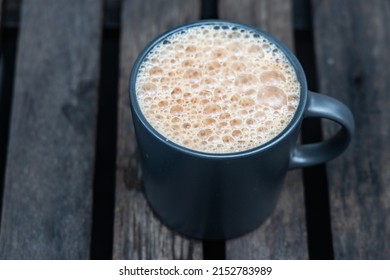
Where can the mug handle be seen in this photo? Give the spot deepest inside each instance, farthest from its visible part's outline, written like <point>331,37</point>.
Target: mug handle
<point>322,106</point>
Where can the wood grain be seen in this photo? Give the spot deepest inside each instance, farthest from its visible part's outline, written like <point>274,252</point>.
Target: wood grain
<point>283,235</point>
<point>48,185</point>
<point>138,234</point>
<point>352,39</point>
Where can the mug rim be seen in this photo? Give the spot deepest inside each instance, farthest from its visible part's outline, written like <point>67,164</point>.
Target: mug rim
<point>294,122</point>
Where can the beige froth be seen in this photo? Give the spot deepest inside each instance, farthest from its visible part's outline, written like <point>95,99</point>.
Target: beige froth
<point>217,90</point>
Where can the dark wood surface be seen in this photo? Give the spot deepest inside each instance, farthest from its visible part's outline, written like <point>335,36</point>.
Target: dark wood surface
<point>48,184</point>
<point>48,196</point>
<point>353,58</point>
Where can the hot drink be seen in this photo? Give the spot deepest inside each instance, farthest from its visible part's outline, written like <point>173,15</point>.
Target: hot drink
<point>217,89</point>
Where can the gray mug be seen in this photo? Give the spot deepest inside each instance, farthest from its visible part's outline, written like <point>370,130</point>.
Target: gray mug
<point>221,196</point>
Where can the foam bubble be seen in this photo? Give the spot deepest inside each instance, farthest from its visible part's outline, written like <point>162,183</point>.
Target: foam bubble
<point>272,77</point>
<point>272,96</point>
<point>217,90</point>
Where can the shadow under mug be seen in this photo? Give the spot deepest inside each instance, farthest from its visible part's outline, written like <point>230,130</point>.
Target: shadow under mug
<point>221,196</point>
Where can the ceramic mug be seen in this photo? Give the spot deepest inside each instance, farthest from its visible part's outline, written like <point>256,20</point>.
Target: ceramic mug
<point>221,196</point>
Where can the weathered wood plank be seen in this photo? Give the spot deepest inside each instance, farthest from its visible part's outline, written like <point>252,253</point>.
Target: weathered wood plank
<point>11,18</point>
<point>138,234</point>
<point>48,186</point>
<point>352,39</point>
<point>283,235</point>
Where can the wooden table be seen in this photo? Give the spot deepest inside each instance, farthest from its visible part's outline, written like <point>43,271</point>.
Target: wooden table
<point>69,174</point>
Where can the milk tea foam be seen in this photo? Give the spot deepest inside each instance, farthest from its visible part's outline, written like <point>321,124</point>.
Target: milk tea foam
<point>217,89</point>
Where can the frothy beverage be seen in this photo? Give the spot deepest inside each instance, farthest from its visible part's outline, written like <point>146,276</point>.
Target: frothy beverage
<point>217,89</point>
